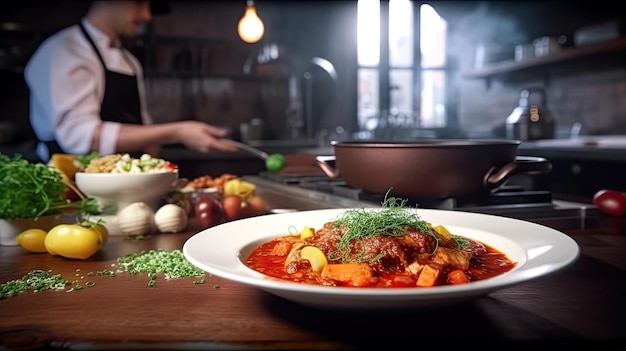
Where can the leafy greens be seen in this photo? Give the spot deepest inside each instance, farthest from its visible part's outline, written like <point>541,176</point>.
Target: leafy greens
<point>32,190</point>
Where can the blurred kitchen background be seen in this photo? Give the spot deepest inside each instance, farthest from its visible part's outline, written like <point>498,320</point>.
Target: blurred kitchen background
<point>547,72</point>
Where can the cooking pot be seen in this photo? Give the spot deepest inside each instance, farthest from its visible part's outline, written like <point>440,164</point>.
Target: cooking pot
<point>429,169</point>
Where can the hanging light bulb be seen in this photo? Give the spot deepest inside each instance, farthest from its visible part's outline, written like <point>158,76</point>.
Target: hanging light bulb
<point>250,26</point>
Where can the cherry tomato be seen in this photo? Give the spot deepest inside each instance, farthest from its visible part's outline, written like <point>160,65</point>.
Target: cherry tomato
<point>208,211</point>
<point>610,202</point>
<point>235,207</point>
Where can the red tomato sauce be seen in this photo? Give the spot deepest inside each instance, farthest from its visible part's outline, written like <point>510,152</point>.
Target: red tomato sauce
<point>484,265</point>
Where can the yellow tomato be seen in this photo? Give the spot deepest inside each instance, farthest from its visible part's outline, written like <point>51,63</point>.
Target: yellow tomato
<point>239,187</point>
<point>32,240</point>
<point>104,232</point>
<point>73,241</point>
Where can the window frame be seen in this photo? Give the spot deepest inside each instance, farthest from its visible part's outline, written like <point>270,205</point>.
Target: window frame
<point>384,68</point>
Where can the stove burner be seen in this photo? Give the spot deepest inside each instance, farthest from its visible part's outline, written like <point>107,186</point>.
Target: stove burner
<point>513,201</point>
<point>506,195</point>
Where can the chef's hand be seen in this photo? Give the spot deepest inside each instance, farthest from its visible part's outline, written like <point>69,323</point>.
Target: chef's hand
<point>203,137</point>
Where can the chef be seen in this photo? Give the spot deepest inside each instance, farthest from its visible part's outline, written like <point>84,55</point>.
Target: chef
<point>87,92</point>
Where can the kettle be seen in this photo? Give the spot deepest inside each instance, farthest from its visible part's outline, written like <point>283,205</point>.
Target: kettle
<point>530,121</point>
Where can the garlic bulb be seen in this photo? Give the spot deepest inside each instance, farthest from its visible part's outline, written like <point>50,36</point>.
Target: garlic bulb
<point>170,218</point>
<point>136,219</point>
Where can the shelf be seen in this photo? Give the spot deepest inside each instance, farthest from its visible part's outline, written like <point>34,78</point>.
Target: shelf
<point>203,75</point>
<point>564,55</point>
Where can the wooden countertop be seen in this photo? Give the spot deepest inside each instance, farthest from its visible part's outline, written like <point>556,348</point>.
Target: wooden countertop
<point>585,302</point>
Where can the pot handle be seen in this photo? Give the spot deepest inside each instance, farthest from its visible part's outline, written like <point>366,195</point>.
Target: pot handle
<point>522,165</point>
<point>323,162</point>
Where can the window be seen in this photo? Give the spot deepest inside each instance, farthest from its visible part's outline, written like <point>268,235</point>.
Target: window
<point>399,86</point>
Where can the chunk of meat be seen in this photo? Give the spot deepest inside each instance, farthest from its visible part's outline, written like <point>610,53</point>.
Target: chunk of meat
<point>397,252</point>
<point>450,257</point>
<point>326,238</point>
<point>293,258</point>
<point>386,254</point>
<point>478,248</point>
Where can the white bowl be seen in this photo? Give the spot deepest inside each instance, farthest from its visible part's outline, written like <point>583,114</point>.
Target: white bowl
<point>115,191</point>
<point>11,228</point>
<point>538,251</point>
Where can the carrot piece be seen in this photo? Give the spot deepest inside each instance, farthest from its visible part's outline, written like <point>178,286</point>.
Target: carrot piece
<point>357,274</point>
<point>281,249</point>
<point>457,276</point>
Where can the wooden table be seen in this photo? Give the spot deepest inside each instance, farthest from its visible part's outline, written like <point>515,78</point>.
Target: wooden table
<point>583,303</point>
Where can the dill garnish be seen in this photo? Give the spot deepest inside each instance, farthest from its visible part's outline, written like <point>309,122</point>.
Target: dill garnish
<point>393,219</point>
<point>461,243</point>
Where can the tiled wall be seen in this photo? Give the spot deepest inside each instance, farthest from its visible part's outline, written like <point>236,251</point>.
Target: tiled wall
<point>213,88</point>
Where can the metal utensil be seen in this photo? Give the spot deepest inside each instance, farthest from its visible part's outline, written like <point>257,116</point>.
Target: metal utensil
<point>259,153</point>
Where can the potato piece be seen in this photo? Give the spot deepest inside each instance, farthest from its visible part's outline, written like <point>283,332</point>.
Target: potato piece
<point>428,276</point>
<point>315,256</point>
<point>357,274</point>
<point>443,231</point>
<point>452,257</point>
<point>306,232</point>
<point>415,268</point>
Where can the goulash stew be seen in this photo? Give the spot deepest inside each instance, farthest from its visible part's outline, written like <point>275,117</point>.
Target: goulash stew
<point>390,247</point>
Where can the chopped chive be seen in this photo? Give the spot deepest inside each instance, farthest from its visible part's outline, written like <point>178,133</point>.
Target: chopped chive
<point>172,264</point>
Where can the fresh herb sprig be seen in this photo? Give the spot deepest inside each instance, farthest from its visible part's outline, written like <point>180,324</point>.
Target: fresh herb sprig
<point>32,190</point>
<point>82,161</point>
<point>393,219</point>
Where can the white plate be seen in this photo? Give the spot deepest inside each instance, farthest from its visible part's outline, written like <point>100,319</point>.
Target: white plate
<point>538,250</point>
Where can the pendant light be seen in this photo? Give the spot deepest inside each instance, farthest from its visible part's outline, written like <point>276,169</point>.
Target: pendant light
<point>250,26</point>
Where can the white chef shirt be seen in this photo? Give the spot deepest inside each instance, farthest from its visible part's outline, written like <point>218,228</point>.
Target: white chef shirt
<point>66,83</point>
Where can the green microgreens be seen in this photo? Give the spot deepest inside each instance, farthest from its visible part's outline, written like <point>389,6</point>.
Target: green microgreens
<point>393,219</point>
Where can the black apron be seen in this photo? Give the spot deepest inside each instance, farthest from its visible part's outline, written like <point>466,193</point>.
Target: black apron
<point>121,101</point>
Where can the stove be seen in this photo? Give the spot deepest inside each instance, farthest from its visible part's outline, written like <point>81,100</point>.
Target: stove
<point>286,192</point>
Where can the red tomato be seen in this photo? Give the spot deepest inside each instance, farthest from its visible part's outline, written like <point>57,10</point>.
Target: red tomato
<point>208,211</point>
<point>257,205</point>
<point>610,202</point>
<point>235,207</point>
